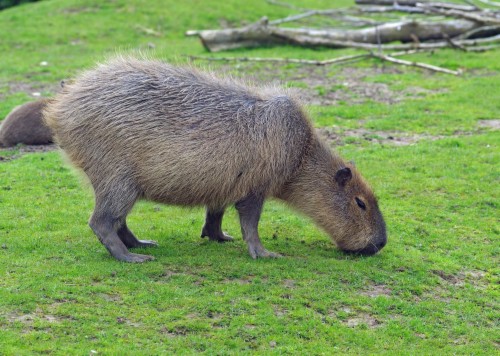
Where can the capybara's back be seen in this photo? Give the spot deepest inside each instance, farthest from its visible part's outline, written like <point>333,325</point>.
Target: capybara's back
<point>144,129</point>
<point>177,135</point>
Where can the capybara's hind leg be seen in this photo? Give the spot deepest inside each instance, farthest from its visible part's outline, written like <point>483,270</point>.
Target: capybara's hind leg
<point>249,210</point>
<point>213,226</point>
<point>113,202</point>
<point>129,239</point>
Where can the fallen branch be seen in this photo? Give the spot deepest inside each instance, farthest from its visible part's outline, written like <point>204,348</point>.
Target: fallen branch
<point>415,3</point>
<point>415,64</point>
<point>393,8</point>
<point>331,13</point>
<point>285,4</point>
<point>304,41</point>
<point>285,60</point>
<point>261,33</point>
<point>484,31</point>
<point>388,2</point>
<point>388,58</point>
<point>491,3</point>
<point>482,48</point>
<point>455,45</point>
<point>480,17</point>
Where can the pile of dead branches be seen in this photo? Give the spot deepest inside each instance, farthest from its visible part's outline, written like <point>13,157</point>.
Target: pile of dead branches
<point>462,27</point>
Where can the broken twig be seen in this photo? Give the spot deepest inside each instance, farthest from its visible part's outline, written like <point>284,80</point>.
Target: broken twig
<point>415,64</point>
<point>285,60</point>
<point>388,58</point>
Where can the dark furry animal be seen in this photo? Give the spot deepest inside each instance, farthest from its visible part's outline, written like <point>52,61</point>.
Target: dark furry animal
<point>144,129</point>
<point>25,125</point>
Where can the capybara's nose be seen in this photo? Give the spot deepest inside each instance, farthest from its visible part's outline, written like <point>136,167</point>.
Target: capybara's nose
<point>373,247</point>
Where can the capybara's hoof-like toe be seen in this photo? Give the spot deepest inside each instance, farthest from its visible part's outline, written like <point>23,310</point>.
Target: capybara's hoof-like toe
<point>136,258</point>
<point>269,254</point>
<point>147,243</point>
<point>262,253</point>
<point>224,238</point>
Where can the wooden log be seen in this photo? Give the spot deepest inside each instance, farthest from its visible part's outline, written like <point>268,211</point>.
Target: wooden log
<point>261,34</point>
<point>388,2</point>
<point>414,3</point>
<point>479,17</point>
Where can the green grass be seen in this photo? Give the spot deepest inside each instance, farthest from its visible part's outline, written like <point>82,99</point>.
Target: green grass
<point>433,290</point>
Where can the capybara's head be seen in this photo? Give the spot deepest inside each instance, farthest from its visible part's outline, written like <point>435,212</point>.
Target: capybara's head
<point>357,225</point>
<point>334,194</point>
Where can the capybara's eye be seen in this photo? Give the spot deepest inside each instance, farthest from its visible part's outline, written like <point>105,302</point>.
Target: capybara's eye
<point>361,203</point>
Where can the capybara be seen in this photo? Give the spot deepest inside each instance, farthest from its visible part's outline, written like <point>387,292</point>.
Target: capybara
<point>145,129</point>
<point>25,125</point>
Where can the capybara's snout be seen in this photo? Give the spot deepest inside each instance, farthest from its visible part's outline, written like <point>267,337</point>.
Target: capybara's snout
<point>374,245</point>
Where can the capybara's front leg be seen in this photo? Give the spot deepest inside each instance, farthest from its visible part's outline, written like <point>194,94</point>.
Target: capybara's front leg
<point>249,210</point>
<point>105,228</point>
<point>129,239</point>
<point>213,226</point>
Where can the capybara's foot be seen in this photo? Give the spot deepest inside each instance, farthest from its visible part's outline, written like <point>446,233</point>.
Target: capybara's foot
<point>219,237</point>
<point>134,258</point>
<point>260,252</point>
<point>144,243</point>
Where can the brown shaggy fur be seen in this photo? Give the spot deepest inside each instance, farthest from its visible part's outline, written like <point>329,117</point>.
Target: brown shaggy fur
<point>144,129</point>
<point>25,125</point>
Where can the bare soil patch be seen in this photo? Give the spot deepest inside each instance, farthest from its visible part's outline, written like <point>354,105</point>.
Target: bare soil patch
<point>459,279</point>
<point>34,90</point>
<point>492,124</point>
<point>337,137</point>
<point>362,318</point>
<point>377,290</point>
<point>10,153</point>
<point>323,85</point>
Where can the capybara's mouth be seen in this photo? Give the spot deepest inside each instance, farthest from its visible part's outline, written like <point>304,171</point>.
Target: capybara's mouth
<point>369,250</point>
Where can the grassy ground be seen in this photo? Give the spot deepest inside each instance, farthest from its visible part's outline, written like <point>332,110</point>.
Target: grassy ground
<point>433,290</point>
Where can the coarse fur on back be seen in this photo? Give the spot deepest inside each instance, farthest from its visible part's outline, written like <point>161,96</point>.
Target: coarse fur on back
<point>145,129</point>
<point>137,115</point>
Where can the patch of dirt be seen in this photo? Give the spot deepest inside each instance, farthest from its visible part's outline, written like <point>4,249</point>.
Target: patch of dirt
<point>241,281</point>
<point>122,320</point>
<point>326,85</point>
<point>377,290</point>
<point>32,89</point>
<point>492,124</point>
<point>450,278</point>
<point>459,279</point>
<point>38,314</point>
<point>18,151</point>
<point>279,311</point>
<point>110,297</point>
<point>360,319</point>
<point>175,332</point>
<point>336,136</point>
<point>80,9</point>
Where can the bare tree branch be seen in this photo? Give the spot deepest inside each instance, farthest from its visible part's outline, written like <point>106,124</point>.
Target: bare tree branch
<point>415,64</point>
<point>261,33</point>
<point>285,60</point>
<point>484,31</point>
<point>285,4</point>
<point>491,3</point>
<point>416,3</point>
<point>335,14</point>
<point>477,17</point>
<point>388,58</point>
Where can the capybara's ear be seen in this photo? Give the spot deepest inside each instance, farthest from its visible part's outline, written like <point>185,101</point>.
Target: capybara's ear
<point>352,163</point>
<point>343,176</point>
